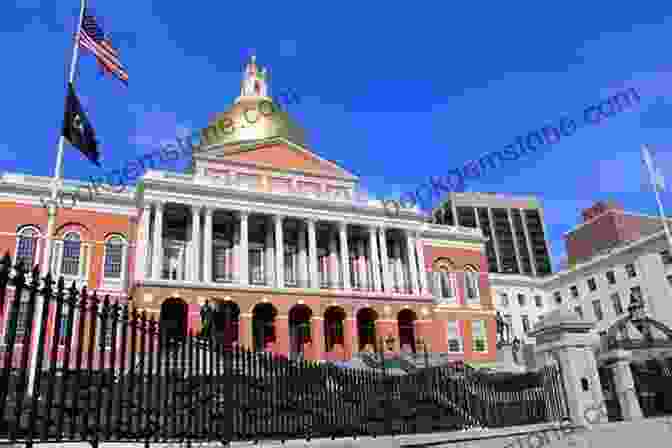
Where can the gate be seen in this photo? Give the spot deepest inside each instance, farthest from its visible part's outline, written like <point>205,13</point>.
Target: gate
<point>653,383</point>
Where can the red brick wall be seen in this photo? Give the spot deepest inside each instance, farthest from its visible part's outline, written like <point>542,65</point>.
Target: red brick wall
<point>604,232</point>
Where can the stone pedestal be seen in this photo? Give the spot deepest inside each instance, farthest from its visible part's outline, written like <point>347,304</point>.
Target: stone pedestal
<point>565,339</point>
<point>618,362</point>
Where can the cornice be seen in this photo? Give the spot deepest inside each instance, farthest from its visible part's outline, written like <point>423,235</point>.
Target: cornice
<point>186,191</point>
<point>212,153</point>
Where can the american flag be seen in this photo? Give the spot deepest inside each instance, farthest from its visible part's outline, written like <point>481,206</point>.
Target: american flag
<point>92,37</point>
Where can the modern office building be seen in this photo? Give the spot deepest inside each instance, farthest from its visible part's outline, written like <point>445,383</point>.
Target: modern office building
<point>614,255</point>
<point>271,235</point>
<point>514,226</point>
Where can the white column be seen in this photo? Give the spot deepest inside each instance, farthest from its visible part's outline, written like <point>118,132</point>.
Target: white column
<point>333,259</point>
<point>302,256</point>
<point>361,265</point>
<point>387,275</point>
<point>422,270</point>
<point>157,242</point>
<point>345,254</point>
<point>195,268</point>
<point>142,245</point>
<point>207,243</point>
<point>312,254</point>
<point>279,253</point>
<point>244,251</point>
<point>412,263</point>
<point>270,270</point>
<point>235,249</point>
<point>374,259</point>
<point>398,268</point>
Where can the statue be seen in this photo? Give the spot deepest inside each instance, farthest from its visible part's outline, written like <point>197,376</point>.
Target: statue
<point>515,349</point>
<point>206,320</point>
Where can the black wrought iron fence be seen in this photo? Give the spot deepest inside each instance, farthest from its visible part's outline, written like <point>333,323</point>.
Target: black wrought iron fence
<point>97,370</point>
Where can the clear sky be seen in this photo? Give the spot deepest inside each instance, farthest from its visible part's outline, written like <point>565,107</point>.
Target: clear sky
<point>394,92</point>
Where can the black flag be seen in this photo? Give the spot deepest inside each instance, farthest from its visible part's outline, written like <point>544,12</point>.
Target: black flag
<point>77,130</point>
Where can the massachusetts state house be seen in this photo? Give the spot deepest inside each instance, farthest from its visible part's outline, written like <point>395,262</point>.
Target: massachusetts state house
<point>274,238</point>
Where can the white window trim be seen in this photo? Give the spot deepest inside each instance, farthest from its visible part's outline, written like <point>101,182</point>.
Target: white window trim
<point>38,247</point>
<point>115,283</point>
<point>476,300</point>
<point>485,336</point>
<point>291,257</point>
<point>452,281</point>
<point>84,261</point>
<point>460,336</point>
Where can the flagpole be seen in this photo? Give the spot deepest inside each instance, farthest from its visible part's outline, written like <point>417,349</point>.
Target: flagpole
<point>661,210</point>
<point>51,221</point>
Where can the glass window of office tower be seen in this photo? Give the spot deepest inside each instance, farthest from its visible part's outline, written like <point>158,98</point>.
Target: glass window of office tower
<point>574,290</point>
<point>521,300</point>
<point>538,301</point>
<point>558,297</point>
<point>597,308</point>
<point>592,286</point>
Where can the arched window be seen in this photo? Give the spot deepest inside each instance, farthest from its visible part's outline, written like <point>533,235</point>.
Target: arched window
<point>72,251</point>
<point>114,262</point>
<point>471,277</point>
<point>444,282</point>
<point>70,257</point>
<point>27,242</point>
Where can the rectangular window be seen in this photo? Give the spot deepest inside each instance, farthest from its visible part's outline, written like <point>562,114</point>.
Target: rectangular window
<point>611,277</point>
<point>636,291</point>
<point>578,311</point>
<point>114,254</point>
<point>454,337</point>
<point>222,261</point>
<point>616,302</point>
<point>471,285</point>
<point>597,308</point>
<point>630,270</point>
<point>538,301</point>
<point>592,286</point>
<point>526,323</point>
<point>521,300</point>
<point>256,266</point>
<point>478,332</point>
<point>557,297</point>
<point>26,251</point>
<point>574,290</point>
<point>446,285</point>
<point>290,265</point>
<point>323,268</point>
<point>504,299</point>
<point>71,253</point>
<point>666,257</point>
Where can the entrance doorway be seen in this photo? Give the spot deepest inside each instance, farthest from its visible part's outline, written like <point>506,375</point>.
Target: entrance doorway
<point>299,330</point>
<point>366,328</point>
<point>263,328</point>
<point>406,322</point>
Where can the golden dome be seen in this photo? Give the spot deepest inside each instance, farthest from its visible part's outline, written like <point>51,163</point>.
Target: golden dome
<point>251,118</point>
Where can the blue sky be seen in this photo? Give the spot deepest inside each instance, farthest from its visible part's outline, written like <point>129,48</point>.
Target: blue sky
<point>391,92</point>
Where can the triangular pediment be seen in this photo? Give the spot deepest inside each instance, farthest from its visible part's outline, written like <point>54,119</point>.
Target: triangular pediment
<point>279,155</point>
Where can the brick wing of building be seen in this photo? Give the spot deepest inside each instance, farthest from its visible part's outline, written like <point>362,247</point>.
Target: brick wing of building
<point>274,238</point>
